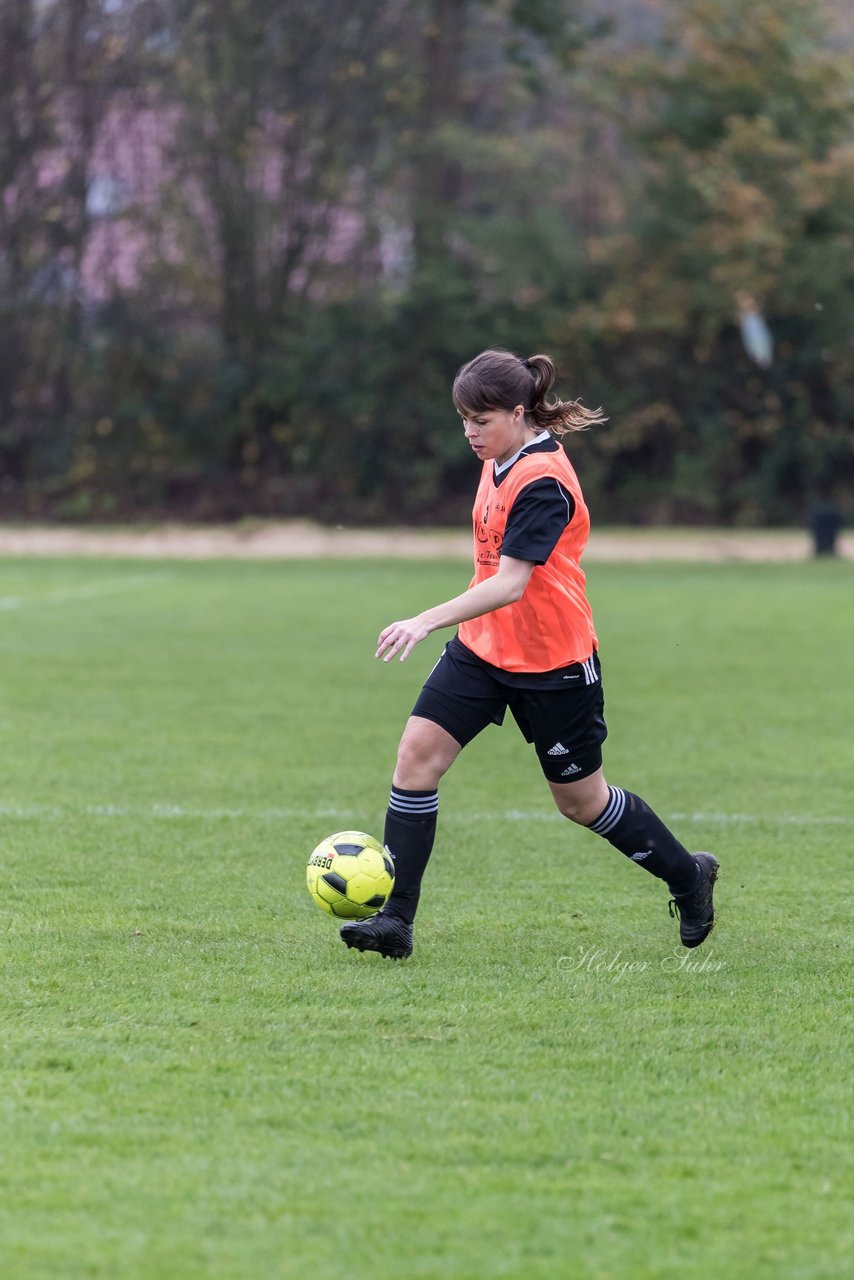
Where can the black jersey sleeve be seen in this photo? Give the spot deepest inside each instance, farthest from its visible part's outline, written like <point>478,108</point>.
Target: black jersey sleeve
<point>537,519</point>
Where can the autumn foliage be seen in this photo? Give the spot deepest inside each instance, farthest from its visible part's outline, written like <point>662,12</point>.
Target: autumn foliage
<point>245,244</point>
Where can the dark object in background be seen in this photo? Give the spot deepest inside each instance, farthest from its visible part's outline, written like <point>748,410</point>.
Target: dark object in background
<point>825,521</point>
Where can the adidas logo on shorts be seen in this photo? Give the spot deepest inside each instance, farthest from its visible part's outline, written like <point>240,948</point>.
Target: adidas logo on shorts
<point>558,750</point>
<point>573,768</point>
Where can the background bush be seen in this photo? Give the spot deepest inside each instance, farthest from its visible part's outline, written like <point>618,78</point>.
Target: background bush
<point>246,245</point>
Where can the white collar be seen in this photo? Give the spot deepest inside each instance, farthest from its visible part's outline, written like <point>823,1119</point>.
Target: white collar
<point>544,435</point>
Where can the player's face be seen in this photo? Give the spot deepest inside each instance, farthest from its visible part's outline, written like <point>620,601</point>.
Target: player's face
<point>496,433</point>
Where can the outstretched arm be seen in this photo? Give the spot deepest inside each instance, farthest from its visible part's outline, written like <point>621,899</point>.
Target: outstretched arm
<point>504,587</point>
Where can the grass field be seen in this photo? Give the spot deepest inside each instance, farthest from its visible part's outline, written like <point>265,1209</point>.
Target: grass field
<point>198,1080</point>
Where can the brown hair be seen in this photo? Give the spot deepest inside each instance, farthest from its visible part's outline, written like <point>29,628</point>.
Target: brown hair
<point>500,380</point>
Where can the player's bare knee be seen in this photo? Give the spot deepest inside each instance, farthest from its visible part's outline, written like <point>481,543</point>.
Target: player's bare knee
<point>423,756</point>
<point>574,809</point>
<point>582,802</point>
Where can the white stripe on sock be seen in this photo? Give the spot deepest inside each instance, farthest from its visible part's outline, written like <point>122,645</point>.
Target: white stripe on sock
<point>613,813</point>
<point>414,804</point>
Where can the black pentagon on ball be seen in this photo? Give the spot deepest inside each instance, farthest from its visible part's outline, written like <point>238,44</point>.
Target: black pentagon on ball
<point>377,901</point>
<point>336,882</point>
<point>348,850</point>
<point>389,865</point>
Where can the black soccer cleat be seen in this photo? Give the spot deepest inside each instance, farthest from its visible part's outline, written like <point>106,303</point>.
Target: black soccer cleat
<point>389,935</point>
<point>695,909</point>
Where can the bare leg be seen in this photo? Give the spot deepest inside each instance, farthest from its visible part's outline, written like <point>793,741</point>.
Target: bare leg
<point>426,752</point>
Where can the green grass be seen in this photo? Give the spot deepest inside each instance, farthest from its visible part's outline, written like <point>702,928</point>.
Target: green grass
<point>198,1080</point>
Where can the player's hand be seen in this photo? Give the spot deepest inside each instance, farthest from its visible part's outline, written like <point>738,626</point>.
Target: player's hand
<point>401,637</point>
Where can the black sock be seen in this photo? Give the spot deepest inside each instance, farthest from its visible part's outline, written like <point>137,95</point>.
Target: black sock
<point>410,828</point>
<point>628,823</point>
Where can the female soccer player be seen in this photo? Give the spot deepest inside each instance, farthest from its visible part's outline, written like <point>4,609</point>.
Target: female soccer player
<point>525,641</point>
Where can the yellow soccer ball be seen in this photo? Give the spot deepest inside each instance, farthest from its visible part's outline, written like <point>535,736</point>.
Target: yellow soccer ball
<point>350,875</point>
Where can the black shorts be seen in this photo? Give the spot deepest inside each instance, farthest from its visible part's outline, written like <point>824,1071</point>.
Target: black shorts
<point>561,712</point>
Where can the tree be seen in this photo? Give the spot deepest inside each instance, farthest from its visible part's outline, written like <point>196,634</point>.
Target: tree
<point>60,64</point>
<point>744,191</point>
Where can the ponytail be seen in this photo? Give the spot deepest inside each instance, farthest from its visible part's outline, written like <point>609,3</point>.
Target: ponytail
<point>557,416</point>
<point>500,380</point>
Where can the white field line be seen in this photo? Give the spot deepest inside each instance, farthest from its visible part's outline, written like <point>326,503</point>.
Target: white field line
<point>176,812</point>
<point>89,591</point>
